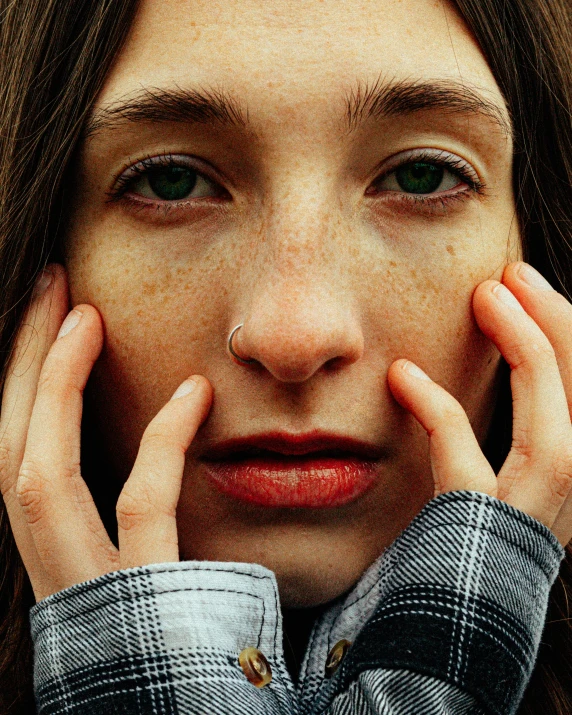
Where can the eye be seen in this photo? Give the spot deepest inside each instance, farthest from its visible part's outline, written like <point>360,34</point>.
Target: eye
<point>165,179</point>
<point>420,177</point>
<point>428,180</point>
<point>172,183</point>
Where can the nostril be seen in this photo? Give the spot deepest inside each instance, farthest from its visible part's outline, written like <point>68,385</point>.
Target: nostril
<point>294,344</point>
<point>334,363</point>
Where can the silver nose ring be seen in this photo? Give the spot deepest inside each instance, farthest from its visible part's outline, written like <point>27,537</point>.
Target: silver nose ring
<point>232,351</point>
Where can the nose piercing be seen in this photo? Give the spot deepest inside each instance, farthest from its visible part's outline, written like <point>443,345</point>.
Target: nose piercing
<point>231,350</point>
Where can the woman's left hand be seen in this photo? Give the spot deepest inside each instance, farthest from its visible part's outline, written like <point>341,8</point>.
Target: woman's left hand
<point>531,324</point>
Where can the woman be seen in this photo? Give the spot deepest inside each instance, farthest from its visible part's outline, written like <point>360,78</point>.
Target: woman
<point>348,184</point>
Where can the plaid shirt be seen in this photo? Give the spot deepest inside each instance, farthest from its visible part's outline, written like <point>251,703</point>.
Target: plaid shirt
<point>447,620</point>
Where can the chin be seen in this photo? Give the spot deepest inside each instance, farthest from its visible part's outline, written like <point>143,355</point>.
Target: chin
<point>307,589</point>
<point>312,565</point>
<point>316,573</point>
<point>316,554</point>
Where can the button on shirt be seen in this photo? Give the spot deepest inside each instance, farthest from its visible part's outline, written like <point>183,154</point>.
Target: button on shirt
<point>336,656</point>
<point>447,620</point>
<point>255,667</point>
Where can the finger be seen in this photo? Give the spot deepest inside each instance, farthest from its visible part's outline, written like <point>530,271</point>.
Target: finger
<point>457,461</point>
<point>550,310</point>
<point>34,338</point>
<point>68,533</point>
<point>534,477</point>
<point>147,505</point>
<point>562,525</point>
<point>33,341</point>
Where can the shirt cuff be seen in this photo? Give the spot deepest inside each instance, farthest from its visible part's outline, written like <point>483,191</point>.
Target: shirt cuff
<point>464,597</point>
<point>154,637</point>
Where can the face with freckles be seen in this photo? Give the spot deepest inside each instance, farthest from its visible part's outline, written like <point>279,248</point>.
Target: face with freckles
<point>337,178</point>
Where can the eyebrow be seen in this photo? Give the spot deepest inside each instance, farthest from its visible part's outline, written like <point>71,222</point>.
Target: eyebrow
<point>199,106</point>
<point>363,102</point>
<point>408,97</point>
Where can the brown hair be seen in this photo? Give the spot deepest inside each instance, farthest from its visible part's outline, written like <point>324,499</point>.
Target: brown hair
<point>54,57</point>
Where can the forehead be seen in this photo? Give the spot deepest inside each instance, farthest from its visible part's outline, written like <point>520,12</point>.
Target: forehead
<point>284,55</point>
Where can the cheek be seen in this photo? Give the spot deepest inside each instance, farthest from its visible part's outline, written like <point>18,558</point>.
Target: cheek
<point>433,325</point>
<point>418,299</point>
<point>162,323</point>
<point>164,319</point>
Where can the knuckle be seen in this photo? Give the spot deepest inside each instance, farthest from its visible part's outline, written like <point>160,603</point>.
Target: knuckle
<point>452,413</point>
<point>142,504</point>
<point>153,437</point>
<point>50,380</point>
<point>133,509</point>
<point>532,354</point>
<point>5,467</point>
<point>31,492</point>
<point>561,482</point>
<point>562,472</point>
<point>57,378</point>
<point>157,433</point>
<point>522,443</point>
<point>5,456</point>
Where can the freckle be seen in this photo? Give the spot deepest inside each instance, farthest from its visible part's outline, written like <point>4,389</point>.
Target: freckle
<point>393,264</point>
<point>451,250</point>
<point>149,288</point>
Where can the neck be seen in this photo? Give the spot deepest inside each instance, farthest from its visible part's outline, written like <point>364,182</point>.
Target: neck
<point>297,625</point>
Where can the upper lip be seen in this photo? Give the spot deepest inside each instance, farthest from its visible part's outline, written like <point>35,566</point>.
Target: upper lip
<point>292,444</point>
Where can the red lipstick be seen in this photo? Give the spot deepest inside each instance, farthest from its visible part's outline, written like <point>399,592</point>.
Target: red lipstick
<point>312,470</point>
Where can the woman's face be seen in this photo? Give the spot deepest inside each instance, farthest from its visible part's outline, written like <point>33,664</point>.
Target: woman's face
<point>353,188</point>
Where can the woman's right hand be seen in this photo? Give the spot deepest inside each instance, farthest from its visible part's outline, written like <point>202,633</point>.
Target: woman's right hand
<point>57,528</point>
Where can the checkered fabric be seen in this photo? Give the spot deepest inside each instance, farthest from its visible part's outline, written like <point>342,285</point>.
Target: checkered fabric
<point>447,620</point>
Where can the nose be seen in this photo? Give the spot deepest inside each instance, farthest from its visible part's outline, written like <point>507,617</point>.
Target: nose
<point>302,317</point>
<point>294,336</point>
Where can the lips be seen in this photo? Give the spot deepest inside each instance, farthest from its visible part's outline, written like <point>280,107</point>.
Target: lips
<point>313,470</point>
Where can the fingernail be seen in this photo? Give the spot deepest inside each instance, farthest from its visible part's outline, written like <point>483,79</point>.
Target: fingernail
<point>506,297</point>
<point>533,278</point>
<point>42,282</point>
<point>184,388</point>
<point>69,323</point>
<point>412,369</point>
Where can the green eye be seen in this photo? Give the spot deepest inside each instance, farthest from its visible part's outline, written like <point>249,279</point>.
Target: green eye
<point>419,177</point>
<point>172,183</point>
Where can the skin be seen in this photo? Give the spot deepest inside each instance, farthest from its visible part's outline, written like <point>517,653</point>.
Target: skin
<point>289,256</point>
<point>338,290</point>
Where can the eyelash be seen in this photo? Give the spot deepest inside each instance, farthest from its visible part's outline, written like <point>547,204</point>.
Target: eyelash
<point>150,163</point>
<point>432,201</point>
<point>456,165</point>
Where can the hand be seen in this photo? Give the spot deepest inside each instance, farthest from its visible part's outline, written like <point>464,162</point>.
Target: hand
<point>57,528</point>
<point>533,331</point>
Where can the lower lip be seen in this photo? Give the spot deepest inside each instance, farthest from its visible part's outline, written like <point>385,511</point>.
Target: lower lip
<point>294,481</point>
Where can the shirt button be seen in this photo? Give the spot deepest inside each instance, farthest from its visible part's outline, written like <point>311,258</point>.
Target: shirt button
<point>255,667</point>
<point>335,656</point>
